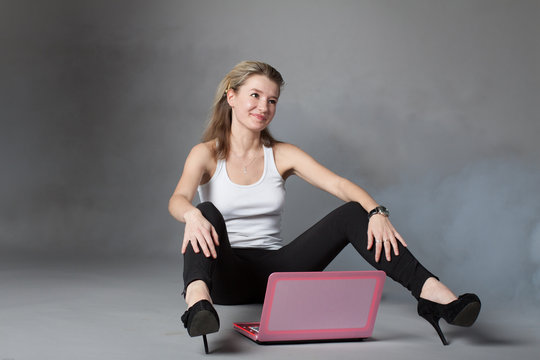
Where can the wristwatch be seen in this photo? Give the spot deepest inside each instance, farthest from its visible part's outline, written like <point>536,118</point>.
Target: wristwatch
<point>379,210</point>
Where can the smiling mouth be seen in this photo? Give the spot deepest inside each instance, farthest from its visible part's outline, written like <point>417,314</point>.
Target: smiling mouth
<point>259,117</point>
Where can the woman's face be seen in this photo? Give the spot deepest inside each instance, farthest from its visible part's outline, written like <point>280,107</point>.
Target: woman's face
<point>254,103</point>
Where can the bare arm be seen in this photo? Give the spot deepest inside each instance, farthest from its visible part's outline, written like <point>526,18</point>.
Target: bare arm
<point>194,169</point>
<point>294,161</point>
<point>199,232</point>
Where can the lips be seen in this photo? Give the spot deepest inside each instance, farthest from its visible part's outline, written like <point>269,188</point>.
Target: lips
<point>259,117</point>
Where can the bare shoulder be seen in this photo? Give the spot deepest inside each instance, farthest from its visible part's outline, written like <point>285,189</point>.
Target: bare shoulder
<point>203,150</point>
<point>288,150</point>
<point>287,156</point>
<point>202,157</point>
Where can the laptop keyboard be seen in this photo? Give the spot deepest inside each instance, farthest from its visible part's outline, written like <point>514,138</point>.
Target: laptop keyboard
<point>254,329</point>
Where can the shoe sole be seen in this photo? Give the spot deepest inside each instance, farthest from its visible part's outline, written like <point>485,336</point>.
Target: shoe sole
<point>468,315</point>
<point>204,322</point>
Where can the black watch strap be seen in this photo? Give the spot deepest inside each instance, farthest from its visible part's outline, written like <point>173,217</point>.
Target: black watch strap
<point>379,210</point>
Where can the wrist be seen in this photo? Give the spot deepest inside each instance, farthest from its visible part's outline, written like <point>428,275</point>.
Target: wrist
<point>379,210</point>
<point>191,213</point>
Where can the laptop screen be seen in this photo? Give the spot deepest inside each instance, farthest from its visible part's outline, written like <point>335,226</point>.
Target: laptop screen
<point>321,304</point>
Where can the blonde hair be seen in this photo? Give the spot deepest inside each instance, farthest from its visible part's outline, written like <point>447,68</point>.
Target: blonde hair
<point>219,126</point>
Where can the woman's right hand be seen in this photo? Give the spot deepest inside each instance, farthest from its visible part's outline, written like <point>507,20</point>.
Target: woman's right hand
<point>200,233</point>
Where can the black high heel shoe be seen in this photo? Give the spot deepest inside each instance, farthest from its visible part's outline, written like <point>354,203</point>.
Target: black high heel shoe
<point>460,312</point>
<point>201,319</point>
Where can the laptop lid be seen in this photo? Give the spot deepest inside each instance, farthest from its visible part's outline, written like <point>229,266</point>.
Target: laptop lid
<point>320,305</point>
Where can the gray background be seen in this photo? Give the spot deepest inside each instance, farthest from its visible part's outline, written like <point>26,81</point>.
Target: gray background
<point>432,106</point>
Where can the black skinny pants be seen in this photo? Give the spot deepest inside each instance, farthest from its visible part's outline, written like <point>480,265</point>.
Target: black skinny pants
<point>239,276</point>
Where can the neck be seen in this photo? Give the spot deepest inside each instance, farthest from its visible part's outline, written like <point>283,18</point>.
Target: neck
<point>244,142</point>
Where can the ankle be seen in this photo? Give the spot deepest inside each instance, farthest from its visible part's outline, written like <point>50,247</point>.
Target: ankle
<point>197,291</point>
<point>436,291</point>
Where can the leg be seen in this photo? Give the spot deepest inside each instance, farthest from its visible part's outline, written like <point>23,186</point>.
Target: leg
<point>234,277</point>
<point>201,318</point>
<point>196,291</point>
<point>198,269</point>
<point>319,245</point>
<point>436,291</point>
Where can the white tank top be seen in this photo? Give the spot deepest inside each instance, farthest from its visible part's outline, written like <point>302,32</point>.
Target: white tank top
<point>252,213</point>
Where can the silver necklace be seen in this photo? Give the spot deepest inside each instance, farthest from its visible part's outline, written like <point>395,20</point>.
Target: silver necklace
<point>245,166</point>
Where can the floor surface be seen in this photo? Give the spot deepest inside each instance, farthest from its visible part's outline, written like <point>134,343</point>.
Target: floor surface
<point>130,310</point>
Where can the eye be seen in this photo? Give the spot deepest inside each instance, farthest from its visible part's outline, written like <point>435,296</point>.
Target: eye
<point>273,102</point>
<point>255,95</point>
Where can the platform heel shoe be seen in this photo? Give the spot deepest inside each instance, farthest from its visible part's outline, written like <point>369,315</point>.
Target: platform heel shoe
<point>460,312</point>
<point>201,319</point>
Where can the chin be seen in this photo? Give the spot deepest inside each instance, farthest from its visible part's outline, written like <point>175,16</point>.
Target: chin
<point>259,127</point>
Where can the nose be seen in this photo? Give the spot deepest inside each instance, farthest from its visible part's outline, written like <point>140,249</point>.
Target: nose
<point>263,106</point>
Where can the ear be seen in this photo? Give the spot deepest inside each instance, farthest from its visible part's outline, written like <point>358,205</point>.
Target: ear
<point>231,95</point>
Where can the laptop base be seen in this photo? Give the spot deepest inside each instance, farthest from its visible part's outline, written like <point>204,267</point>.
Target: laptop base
<point>250,330</point>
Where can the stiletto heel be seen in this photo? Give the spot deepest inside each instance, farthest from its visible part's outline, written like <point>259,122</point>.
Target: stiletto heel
<point>460,312</point>
<point>435,323</point>
<point>205,342</point>
<point>201,319</point>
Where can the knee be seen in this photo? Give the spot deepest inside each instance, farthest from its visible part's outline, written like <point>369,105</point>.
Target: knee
<point>355,209</point>
<point>207,207</point>
<point>211,212</point>
<point>352,213</point>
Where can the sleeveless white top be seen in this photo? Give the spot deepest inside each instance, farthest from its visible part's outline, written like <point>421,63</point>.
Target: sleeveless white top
<point>252,213</point>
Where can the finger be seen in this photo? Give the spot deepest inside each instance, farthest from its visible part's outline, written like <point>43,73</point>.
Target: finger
<point>209,242</point>
<point>189,236</point>
<point>215,236</point>
<point>198,241</point>
<point>395,246</point>
<point>212,250</point>
<point>184,245</point>
<point>387,249</point>
<point>401,240</point>
<point>378,248</point>
<point>194,245</point>
<point>204,247</point>
<point>369,239</point>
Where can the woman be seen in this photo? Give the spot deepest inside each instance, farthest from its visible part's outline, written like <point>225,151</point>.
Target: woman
<point>232,239</point>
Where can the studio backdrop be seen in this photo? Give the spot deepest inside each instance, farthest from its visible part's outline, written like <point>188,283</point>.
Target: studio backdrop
<point>432,106</point>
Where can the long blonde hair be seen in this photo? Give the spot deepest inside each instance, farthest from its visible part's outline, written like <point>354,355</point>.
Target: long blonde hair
<point>219,126</point>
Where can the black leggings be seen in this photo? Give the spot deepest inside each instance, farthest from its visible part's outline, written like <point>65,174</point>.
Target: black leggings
<point>239,276</point>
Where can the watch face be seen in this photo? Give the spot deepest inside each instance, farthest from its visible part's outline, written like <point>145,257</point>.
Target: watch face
<point>379,210</point>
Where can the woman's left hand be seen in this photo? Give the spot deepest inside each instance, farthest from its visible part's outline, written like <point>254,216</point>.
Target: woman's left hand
<point>382,233</point>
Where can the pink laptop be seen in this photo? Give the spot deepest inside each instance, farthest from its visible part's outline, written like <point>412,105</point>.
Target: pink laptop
<point>308,306</point>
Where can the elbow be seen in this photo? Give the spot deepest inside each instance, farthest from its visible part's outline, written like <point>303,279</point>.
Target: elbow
<point>171,204</point>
